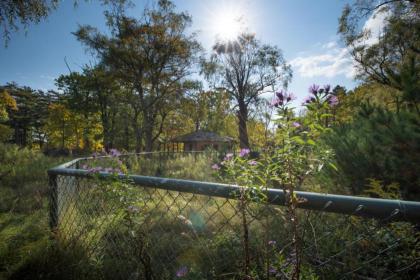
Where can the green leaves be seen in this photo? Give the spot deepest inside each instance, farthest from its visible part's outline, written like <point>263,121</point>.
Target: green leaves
<point>298,140</point>
<point>333,166</point>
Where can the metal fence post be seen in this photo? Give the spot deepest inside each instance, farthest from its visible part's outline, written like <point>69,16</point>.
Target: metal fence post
<point>53,201</point>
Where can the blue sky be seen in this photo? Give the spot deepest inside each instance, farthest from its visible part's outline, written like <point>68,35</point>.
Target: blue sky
<point>306,31</point>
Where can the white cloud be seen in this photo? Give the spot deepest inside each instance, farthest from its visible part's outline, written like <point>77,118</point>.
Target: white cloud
<point>374,27</point>
<point>330,45</point>
<point>333,62</point>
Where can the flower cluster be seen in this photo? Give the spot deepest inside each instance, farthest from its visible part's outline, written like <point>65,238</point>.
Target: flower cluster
<point>332,100</point>
<point>114,153</point>
<point>104,162</point>
<point>253,162</point>
<point>98,169</point>
<point>182,271</point>
<point>281,98</point>
<point>244,152</point>
<point>215,166</point>
<point>320,94</point>
<point>229,159</point>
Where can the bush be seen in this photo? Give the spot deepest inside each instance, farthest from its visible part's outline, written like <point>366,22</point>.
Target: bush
<point>378,144</point>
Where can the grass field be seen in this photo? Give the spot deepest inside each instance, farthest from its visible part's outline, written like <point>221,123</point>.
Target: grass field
<point>115,230</point>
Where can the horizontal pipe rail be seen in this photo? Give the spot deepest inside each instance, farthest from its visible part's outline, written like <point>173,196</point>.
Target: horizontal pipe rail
<point>384,209</point>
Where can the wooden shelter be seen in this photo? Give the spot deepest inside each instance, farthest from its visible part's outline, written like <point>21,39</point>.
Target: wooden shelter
<point>201,140</point>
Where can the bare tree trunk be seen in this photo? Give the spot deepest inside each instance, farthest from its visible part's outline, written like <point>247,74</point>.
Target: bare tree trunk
<point>127,137</point>
<point>139,137</point>
<point>148,124</point>
<point>148,139</point>
<point>242,120</point>
<point>107,143</point>
<point>86,132</point>
<point>138,132</point>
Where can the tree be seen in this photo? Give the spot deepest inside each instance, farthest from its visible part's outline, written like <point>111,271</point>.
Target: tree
<point>30,116</point>
<point>92,93</point>
<point>79,98</point>
<point>7,102</point>
<point>379,120</point>
<point>58,124</point>
<point>384,146</point>
<point>24,12</point>
<point>245,68</point>
<point>206,109</point>
<point>151,56</point>
<point>391,58</point>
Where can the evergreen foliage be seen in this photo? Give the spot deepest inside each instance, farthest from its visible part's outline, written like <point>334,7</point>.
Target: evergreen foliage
<point>379,144</point>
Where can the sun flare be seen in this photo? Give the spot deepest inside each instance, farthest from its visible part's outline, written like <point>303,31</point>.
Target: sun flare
<point>227,22</point>
<point>227,26</point>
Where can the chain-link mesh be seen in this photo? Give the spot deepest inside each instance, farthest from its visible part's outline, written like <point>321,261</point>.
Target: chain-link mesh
<point>135,232</point>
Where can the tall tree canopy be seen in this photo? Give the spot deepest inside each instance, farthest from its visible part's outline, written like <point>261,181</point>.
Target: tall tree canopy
<point>391,57</point>
<point>245,68</point>
<point>151,56</point>
<point>15,13</point>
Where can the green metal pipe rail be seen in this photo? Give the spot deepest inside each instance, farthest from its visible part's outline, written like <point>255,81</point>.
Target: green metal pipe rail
<point>383,209</point>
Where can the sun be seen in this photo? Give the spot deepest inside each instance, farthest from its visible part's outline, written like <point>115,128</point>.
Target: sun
<point>227,21</point>
<point>227,26</point>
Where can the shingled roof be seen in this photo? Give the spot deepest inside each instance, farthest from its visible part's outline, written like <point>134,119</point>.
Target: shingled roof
<point>201,136</point>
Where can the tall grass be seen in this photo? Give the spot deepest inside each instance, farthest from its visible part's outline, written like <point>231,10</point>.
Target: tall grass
<point>24,229</point>
<point>100,237</point>
<point>192,166</point>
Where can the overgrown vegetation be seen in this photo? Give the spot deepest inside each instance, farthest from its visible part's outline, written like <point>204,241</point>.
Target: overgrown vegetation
<point>24,229</point>
<point>141,94</point>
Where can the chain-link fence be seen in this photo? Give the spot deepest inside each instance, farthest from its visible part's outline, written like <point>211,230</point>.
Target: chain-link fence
<point>138,227</point>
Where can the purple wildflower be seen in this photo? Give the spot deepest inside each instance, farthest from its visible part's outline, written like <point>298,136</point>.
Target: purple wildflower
<point>290,97</point>
<point>281,98</point>
<point>281,94</point>
<point>314,89</point>
<point>275,102</point>
<point>332,100</point>
<point>228,156</point>
<point>215,166</point>
<point>272,270</point>
<point>272,242</point>
<point>182,271</point>
<point>296,124</point>
<point>244,152</point>
<point>327,88</point>
<point>84,166</point>
<point>253,162</point>
<point>114,153</point>
<point>95,169</point>
<point>309,99</point>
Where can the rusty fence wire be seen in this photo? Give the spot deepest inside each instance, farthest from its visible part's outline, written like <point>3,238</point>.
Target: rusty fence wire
<point>139,227</point>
